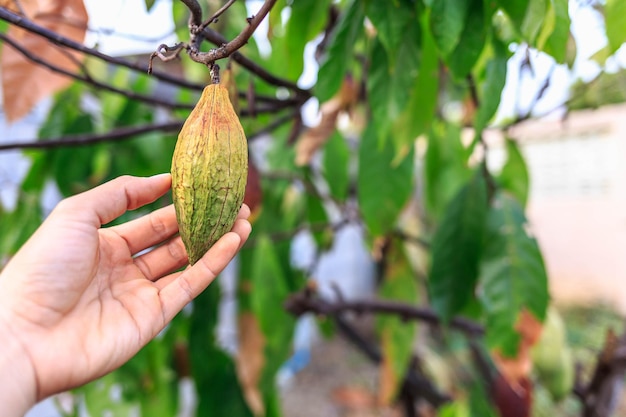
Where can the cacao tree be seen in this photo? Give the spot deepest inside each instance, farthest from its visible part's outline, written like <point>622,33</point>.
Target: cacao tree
<point>457,272</point>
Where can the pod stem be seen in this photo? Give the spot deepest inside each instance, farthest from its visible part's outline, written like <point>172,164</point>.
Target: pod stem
<point>214,69</point>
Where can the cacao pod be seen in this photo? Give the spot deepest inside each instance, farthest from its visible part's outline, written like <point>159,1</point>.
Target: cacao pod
<point>209,171</point>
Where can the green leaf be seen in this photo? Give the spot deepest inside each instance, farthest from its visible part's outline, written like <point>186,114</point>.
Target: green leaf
<point>335,166</point>
<point>535,14</point>
<point>514,175</point>
<point>445,167</point>
<point>307,19</point>
<point>209,363</point>
<point>270,291</point>
<point>397,335</point>
<point>456,249</point>
<point>447,20</point>
<point>554,36</point>
<point>19,224</point>
<point>384,182</point>
<point>339,54</point>
<point>419,112</point>
<point>516,10</point>
<point>614,13</point>
<point>512,274</point>
<point>391,20</point>
<point>97,398</point>
<point>389,86</point>
<point>472,41</point>
<point>316,215</point>
<point>149,4</point>
<point>492,86</point>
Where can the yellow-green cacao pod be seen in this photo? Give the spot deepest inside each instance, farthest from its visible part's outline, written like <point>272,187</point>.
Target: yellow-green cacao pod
<point>209,171</point>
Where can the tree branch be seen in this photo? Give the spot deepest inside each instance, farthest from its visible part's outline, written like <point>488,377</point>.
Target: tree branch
<point>121,134</point>
<point>58,39</point>
<point>225,50</point>
<point>91,81</point>
<point>216,15</point>
<point>217,39</point>
<point>195,17</point>
<point>304,302</point>
<point>90,138</point>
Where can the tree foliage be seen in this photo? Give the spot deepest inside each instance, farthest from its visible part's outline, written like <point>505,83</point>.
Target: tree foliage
<point>450,237</point>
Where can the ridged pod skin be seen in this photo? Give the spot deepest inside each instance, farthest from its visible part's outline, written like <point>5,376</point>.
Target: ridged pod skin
<point>209,171</point>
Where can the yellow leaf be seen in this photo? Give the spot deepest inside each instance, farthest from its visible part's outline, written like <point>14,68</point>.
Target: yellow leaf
<point>24,82</point>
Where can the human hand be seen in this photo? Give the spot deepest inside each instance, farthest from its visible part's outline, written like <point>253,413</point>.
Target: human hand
<point>75,301</point>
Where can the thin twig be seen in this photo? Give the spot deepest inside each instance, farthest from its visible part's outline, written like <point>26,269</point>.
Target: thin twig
<point>225,50</point>
<point>90,138</point>
<point>216,15</point>
<point>58,39</point>
<point>89,80</point>
<point>275,124</point>
<point>217,39</point>
<point>121,134</point>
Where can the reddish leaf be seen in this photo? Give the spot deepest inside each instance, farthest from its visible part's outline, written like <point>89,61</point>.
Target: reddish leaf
<point>512,390</point>
<point>24,82</point>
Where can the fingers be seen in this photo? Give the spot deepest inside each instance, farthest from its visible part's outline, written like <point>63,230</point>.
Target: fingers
<point>162,260</point>
<point>159,226</point>
<point>178,290</point>
<point>108,201</point>
<point>148,230</point>
<point>244,212</point>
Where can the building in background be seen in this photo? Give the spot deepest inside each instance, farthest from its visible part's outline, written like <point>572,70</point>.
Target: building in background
<point>577,201</point>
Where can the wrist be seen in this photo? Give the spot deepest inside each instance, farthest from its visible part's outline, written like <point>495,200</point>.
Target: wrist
<point>18,388</point>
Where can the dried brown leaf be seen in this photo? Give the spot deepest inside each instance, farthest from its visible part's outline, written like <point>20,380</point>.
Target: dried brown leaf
<point>314,138</point>
<point>24,82</point>
<point>517,370</point>
<point>250,361</point>
<point>9,4</point>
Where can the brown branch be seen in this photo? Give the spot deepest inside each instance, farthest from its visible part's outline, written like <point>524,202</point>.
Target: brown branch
<point>195,18</point>
<point>275,124</point>
<point>90,138</point>
<point>304,302</point>
<point>58,39</point>
<point>275,107</point>
<point>121,134</point>
<point>89,80</point>
<point>217,39</point>
<point>216,15</point>
<point>225,50</point>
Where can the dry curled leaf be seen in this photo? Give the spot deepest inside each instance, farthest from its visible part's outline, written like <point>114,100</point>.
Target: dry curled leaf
<point>519,367</point>
<point>512,390</point>
<point>25,82</point>
<point>314,138</point>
